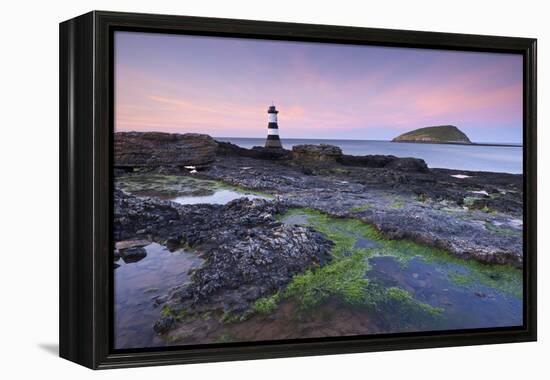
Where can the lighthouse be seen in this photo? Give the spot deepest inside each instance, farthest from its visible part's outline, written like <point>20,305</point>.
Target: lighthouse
<point>272,140</point>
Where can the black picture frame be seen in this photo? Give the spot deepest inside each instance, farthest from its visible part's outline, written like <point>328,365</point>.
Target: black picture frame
<point>86,126</point>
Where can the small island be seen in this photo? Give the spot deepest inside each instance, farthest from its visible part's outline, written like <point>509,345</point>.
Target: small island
<point>441,134</point>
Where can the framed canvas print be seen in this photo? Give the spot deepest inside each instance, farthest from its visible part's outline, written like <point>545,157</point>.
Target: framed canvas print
<point>238,189</point>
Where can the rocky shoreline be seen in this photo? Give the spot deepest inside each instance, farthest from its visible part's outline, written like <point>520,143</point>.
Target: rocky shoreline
<point>447,209</point>
<point>237,240</point>
<point>472,215</point>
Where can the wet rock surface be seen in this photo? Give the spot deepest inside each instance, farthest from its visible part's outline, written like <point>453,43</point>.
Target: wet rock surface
<point>248,253</point>
<point>478,215</point>
<point>471,214</point>
<point>132,255</point>
<point>130,251</point>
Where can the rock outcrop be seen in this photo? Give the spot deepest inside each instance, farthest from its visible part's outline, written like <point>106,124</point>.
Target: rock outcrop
<point>430,207</point>
<point>388,162</point>
<point>316,153</point>
<point>259,152</point>
<point>248,253</point>
<point>159,149</point>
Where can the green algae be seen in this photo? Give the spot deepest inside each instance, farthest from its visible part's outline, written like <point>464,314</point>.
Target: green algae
<point>165,186</point>
<point>403,297</point>
<point>345,278</point>
<point>503,278</point>
<point>168,311</point>
<point>266,305</point>
<point>422,198</point>
<point>460,278</point>
<point>397,204</point>
<point>478,203</point>
<point>360,208</point>
<point>231,318</point>
<point>225,337</point>
<point>502,231</point>
<point>168,186</point>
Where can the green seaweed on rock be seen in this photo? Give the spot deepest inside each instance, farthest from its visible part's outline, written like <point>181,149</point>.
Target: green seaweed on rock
<point>266,305</point>
<point>345,277</point>
<point>363,207</point>
<point>170,185</point>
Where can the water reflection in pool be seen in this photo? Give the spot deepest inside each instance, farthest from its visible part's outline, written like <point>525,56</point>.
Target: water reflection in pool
<point>219,197</point>
<point>465,306</point>
<point>136,287</point>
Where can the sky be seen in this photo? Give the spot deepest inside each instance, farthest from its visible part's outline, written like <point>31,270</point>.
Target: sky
<point>223,87</point>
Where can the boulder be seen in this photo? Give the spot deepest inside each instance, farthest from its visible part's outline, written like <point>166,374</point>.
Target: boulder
<point>259,152</point>
<point>164,324</point>
<point>132,255</point>
<point>125,244</point>
<point>408,164</point>
<point>316,153</point>
<point>159,149</point>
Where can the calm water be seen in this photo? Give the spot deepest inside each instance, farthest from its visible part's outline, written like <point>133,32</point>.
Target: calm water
<point>220,197</point>
<point>466,307</point>
<point>136,287</point>
<point>505,159</point>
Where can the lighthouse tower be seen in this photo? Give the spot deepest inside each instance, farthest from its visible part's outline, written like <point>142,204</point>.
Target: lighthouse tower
<point>272,140</point>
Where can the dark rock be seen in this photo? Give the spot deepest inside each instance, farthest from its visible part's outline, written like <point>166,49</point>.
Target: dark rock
<point>158,149</point>
<point>369,161</point>
<point>132,255</point>
<point>125,244</point>
<point>259,152</point>
<point>316,153</point>
<point>173,243</point>
<point>408,164</point>
<point>164,324</point>
<point>134,217</point>
<point>248,254</point>
<point>159,300</point>
<point>426,207</point>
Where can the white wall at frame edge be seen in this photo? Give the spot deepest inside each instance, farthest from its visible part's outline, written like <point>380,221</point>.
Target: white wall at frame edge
<point>29,167</point>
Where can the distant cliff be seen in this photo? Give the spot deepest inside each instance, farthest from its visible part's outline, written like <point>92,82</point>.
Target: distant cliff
<point>437,134</point>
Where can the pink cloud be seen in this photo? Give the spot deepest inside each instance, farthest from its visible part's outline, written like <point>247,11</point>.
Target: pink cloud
<point>311,102</point>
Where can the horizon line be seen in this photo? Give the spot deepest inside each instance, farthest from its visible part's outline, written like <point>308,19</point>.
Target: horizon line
<point>401,142</point>
<point>517,143</point>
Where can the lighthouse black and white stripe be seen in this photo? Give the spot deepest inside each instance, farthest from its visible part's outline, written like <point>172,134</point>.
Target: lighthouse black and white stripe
<point>272,140</point>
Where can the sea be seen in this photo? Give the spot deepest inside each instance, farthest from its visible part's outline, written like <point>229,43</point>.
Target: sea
<point>500,158</point>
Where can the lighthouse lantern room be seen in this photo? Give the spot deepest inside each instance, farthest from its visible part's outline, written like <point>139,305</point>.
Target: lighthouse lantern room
<point>272,140</point>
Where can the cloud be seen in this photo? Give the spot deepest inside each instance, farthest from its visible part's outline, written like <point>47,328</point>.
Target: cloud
<point>318,88</point>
